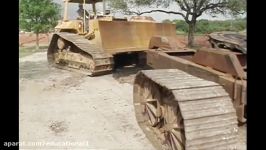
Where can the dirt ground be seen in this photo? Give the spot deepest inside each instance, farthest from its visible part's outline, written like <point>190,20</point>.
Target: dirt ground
<point>61,106</point>
<point>59,109</point>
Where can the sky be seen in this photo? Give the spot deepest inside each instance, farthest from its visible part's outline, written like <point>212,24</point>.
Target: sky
<point>158,16</point>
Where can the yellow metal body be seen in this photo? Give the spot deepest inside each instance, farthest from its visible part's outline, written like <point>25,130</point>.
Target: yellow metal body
<point>119,36</point>
<point>73,26</point>
<point>124,36</point>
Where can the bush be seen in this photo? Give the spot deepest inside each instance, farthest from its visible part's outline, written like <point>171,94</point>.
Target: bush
<point>181,25</point>
<point>204,26</point>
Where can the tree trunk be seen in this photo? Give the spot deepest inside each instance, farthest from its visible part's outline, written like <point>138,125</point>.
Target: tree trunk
<point>48,38</point>
<point>191,31</point>
<point>37,41</point>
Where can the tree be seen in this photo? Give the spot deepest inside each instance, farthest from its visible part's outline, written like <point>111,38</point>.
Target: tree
<point>38,16</point>
<point>190,10</point>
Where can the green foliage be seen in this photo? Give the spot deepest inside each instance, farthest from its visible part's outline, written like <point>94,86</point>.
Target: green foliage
<point>118,4</point>
<point>206,26</point>
<point>181,25</point>
<point>143,2</point>
<point>38,15</point>
<point>129,7</point>
<point>166,21</point>
<point>237,7</point>
<point>212,7</point>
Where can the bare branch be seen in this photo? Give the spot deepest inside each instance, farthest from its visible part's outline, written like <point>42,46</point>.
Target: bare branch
<point>195,5</point>
<point>182,6</point>
<point>168,12</point>
<point>211,6</point>
<point>186,3</point>
<point>200,4</point>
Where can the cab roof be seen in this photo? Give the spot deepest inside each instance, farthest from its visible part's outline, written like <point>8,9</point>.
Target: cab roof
<point>86,1</point>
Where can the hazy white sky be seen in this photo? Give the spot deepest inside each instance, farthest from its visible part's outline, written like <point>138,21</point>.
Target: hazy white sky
<point>157,16</point>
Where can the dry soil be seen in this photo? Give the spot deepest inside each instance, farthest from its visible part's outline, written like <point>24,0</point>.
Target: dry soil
<point>59,109</point>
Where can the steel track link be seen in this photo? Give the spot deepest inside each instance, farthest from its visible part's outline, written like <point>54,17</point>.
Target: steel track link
<point>191,114</point>
<point>103,62</point>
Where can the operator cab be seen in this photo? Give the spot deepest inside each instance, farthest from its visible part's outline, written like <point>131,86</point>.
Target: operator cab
<point>80,25</point>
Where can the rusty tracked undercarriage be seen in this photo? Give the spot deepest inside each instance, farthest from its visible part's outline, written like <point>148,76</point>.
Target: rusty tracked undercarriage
<point>193,100</point>
<point>184,111</point>
<point>198,109</point>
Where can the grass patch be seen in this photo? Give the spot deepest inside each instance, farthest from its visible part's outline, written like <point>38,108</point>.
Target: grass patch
<point>180,32</point>
<point>186,34</point>
<point>25,51</point>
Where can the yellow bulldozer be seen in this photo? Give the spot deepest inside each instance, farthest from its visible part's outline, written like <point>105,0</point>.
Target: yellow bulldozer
<point>91,47</point>
<point>194,99</point>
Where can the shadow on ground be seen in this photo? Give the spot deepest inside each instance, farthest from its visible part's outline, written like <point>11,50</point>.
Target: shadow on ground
<point>126,74</point>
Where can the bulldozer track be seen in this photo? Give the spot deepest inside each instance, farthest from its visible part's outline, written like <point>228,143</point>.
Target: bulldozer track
<point>101,62</point>
<point>179,111</point>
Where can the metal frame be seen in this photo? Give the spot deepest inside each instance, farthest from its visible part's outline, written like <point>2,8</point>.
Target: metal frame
<point>230,75</point>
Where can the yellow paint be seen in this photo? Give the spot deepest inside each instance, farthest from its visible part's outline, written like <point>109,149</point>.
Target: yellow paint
<point>121,36</point>
<point>70,25</point>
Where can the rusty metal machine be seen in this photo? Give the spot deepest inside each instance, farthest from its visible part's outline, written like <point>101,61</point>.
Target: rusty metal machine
<point>90,45</point>
<point>229,40</point>
<point>194,99</point>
